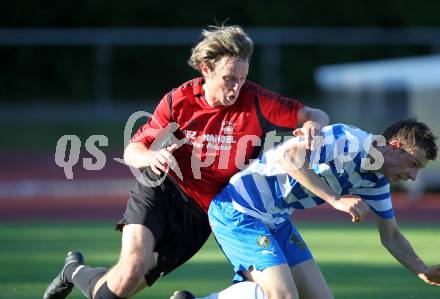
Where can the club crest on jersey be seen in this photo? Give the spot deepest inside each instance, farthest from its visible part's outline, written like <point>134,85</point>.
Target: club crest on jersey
<point>263,241</point>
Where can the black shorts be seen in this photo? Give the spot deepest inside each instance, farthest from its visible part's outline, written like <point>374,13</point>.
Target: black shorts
<point>179,226</point>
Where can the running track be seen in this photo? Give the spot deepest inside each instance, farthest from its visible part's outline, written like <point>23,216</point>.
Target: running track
<point>33,187</point>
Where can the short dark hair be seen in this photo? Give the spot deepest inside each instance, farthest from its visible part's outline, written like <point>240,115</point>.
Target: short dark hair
<point>413,135</point>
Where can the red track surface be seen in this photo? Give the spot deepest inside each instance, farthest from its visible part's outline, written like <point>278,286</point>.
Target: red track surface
<point>426,208</point>
<point>29,166</point>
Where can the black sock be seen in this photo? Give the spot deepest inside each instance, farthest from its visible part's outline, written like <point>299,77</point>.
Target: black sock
<point>86,278</point>
<point>69,271</point>
<point>105,293</point>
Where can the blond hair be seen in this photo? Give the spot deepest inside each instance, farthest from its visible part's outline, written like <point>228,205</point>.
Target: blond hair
<point>219,42</point>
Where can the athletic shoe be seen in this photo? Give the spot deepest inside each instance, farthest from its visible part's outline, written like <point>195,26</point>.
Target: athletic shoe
<point>182,295</point>
<point>59,288</point>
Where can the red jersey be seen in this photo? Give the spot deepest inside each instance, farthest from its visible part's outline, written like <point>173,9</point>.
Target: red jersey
<point>219,140</point>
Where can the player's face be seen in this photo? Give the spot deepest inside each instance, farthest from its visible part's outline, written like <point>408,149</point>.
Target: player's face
<point>400,164</point>
<point>223,83</point>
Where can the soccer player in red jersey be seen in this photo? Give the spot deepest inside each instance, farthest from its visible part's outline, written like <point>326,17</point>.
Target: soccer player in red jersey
<point>216,124</point>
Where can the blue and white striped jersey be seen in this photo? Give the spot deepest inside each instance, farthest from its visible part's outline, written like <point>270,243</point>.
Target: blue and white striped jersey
<point>265,191</point>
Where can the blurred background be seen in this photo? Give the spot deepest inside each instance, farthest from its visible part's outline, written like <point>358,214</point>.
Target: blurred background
<point>82,68</point>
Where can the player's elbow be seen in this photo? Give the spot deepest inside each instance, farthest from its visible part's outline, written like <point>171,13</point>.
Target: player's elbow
<point>314,115</point>
<point>127,153</point>
<point>127,157</point>
<point>321,117</point>
<point>132,153</point>
<point>386,242</point>
<point>389,241</point>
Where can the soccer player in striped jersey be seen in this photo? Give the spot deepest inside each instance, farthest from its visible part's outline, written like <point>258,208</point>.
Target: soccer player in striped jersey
<point>350,169</point>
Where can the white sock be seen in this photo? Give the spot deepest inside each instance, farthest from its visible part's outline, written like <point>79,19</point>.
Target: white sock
<point>242,290</point>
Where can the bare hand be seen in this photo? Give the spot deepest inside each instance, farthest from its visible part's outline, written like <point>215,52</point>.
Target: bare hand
<point>312,135</point>
<point>431,275</point>
<point>163,159</point>
<point>353,205</point>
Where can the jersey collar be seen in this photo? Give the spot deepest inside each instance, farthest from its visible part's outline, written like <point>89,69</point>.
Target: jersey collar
<point>198,86</point>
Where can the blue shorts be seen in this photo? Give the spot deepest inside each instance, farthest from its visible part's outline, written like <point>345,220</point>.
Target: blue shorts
<point>248,242</point>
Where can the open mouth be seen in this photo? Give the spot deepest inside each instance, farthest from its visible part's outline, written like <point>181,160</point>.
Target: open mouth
<point>230,98</point>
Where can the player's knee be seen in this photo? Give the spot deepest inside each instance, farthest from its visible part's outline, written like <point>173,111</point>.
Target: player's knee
<point>282,293</point>
<point>283,296</point>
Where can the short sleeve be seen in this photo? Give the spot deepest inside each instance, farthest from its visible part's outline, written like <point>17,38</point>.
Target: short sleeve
<point>279,112</point>
<point>155,124</point>
<point>378,198</point>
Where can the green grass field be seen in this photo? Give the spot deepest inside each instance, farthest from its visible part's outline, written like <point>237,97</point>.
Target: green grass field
<point>351,258</point>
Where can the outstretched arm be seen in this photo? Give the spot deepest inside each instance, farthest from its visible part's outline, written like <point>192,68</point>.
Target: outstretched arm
<point>396,243</point>
<point>293,160</point>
